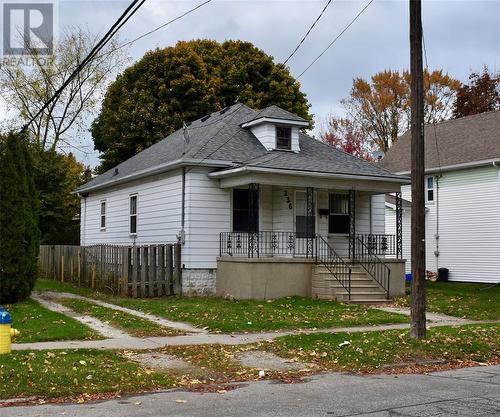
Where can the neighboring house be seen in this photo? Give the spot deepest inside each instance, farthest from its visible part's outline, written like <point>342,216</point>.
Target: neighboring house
<point>256,205</point>
<point>462,194</point>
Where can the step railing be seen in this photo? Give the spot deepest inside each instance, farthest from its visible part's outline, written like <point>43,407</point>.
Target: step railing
<point>372,264</point>
<point>340,270</point>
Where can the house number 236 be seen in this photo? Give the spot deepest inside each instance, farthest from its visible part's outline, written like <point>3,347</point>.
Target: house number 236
<point>287,198</point>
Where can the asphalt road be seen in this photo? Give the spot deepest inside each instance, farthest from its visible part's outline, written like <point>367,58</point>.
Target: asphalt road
<point>466,392</point>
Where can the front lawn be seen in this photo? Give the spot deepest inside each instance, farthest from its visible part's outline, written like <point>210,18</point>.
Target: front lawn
<point>133,325</point>
<point>372,350</point>
<point>469,301</point>
<point>73,372</point>
<point>37,324</point>
<point>227,316</point>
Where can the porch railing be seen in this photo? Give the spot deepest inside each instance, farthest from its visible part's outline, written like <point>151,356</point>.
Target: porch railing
<point>371,263</point>
<point>327,256</point>
<point>378,244</point>
<point>265,244</point>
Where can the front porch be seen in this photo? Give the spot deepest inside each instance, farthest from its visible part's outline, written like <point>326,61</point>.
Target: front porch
<point>325,242</point>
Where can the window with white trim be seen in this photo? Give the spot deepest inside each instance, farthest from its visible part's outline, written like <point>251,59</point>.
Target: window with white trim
<point>133,214</point>
<point>103,214</point>
<point>429,188</point>
<point>283,138</point>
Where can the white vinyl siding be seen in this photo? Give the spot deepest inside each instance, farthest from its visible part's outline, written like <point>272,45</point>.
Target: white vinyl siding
<point>159,212</point>
<point>266,134</point>
<point>468,236</point>
<point>208,213</point>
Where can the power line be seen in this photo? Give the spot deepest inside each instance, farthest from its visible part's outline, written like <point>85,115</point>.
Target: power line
<point>307,33</point>
<point>161,26</point>
<point>336,38</point>
<point>213,136</point>
<point>433,122</point>
<point>132,8</point>
<point>133,40</point>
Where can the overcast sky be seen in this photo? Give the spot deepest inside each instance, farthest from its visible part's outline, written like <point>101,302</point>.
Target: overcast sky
<point>460,36</point>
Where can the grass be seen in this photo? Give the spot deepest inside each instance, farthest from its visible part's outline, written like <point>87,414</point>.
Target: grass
<point>221,315</point>
<point>366,352</point>
<point>133,325</point>
<point>470,301</point>
<point>372,350</point>
<point>72,373</point>
<point>37,324</point>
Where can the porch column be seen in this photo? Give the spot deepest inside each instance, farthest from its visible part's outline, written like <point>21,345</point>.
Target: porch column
<point>399,226</point>
<point>352,224</point>
<point>310,221</point>
<point>253,220</point>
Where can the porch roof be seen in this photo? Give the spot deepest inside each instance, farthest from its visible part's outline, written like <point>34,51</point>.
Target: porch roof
<point>244,175</point>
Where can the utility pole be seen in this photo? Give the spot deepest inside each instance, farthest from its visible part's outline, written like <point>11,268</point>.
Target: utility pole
<point>417,173</point>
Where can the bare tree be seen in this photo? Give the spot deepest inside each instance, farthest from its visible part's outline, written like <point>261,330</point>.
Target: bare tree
<point>27,88</point>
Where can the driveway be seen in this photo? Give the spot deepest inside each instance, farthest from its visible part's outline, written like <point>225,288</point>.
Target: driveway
<point>464,392</point>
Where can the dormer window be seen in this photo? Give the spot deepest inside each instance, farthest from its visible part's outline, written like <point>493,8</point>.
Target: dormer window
<point>283,138</point>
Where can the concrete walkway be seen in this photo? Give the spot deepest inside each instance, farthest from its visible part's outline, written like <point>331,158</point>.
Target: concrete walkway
<point>432,317</point>
<point>49,295</point>
<point>122,340</point>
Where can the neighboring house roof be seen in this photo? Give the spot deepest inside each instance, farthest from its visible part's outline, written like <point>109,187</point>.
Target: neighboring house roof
<point>220,141</point>
<point>459,141</point>
<point>391,200</point>
<point>274,112</point>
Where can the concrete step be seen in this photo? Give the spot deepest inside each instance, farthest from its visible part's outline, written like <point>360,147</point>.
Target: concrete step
<point>361,295</point>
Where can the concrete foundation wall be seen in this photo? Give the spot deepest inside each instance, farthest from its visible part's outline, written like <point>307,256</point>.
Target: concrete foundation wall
<point>397,280</point>
<point>263,278</point>
<point>198,281</point>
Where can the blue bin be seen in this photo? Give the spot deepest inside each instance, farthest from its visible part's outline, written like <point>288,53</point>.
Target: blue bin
<point>408,277</point>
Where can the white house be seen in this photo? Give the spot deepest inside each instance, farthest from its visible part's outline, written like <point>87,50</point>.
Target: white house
<point>260,209</point>
<point>462,190</point>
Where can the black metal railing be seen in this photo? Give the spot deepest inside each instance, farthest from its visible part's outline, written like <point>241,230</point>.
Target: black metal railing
<point>372,264</point>
<point>340,270</point>
<point>379,244</point>
<point>264,244</point>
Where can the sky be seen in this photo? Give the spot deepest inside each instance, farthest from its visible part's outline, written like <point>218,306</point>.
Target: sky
<point>460,37</point>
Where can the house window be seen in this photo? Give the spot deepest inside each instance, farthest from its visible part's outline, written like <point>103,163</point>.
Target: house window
<point>302,227</point>
<point>339,218</point>
<point>245,218</point>
<point>429,186</point>
<point>133,214</point>
<point>103,214</point>
<point>283,137</point>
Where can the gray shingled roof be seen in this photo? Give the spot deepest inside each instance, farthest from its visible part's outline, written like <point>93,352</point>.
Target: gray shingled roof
<point>468,139</point>
<point>221,138</point>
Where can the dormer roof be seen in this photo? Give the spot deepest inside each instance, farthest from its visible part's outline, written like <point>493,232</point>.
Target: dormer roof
<point>276,114</point>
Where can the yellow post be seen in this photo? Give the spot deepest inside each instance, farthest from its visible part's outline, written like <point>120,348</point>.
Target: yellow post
<point>6,332</point>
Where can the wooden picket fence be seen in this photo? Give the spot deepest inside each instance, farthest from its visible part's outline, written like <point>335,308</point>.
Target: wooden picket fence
<point>134,271</point>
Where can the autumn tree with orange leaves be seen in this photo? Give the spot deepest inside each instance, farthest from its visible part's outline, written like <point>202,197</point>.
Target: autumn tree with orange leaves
<point>379,109</point>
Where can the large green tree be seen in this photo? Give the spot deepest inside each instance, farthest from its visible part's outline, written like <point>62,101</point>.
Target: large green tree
<point>19,234</point>
<point>153,97</point>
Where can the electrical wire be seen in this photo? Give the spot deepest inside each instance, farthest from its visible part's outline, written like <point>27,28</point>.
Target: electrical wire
<point>132,9</point>
<point>336,38</point>
<point>307,33</point>
<point>433,123</point>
